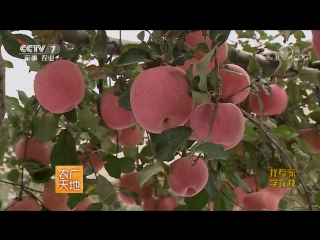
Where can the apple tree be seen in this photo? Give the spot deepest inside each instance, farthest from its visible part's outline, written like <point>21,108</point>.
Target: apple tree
<point>178,120</point>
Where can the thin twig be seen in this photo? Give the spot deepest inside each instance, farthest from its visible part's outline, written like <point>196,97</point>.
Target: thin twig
<point>25,149</point>
<point>231,200</point>
<point>16,184</point>
<point>117,141</point>
<point>289,163</point>
<point>217,95</point>
<point>300,204</point>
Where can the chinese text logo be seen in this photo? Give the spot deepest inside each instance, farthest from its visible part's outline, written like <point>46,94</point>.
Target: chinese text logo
<point>284,178</point>
<point>69,179</point>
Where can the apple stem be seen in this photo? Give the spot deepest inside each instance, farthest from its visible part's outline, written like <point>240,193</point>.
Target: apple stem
<point>217,94</point>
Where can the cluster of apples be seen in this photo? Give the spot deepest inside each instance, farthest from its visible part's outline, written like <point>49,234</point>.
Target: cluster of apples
<point>159,101</point>
<point>258,199</point>
<point>50,199</point>
<point>41,153</point>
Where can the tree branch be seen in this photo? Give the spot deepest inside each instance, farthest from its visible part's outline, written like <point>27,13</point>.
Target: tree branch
<point>2,89</point>
<point>239,57</point>
<point>76,37</point>
<point>288,162</point>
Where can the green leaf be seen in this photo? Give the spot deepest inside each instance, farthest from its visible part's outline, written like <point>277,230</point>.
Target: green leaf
<point>197,202</point>
<point>212,187</point>
<point>263,178</point>
<point>132,56</point>
<point>13,175</point>
<point>131,194</point>
<point>74,199</point>
<point>115,166</point>
<point>214,76</point>
<point>285,132</point>
<point>244,33</point>
<point>219,36</point>
<point>315,116</point>
<point>11,45</point>
<point>200,97</point>
<point>254,69</point>
<point>24,99</point>
<point>282,68</point>
<point>156,48</point>
<point>38,173</point>
<point>170,141</point>
<point>106,191</point>
<point>304,146</point>
<point>0,204</point>
<point>130,152</point>
<point>313,164</point>
<point>64,151</point>
<point>87,120</point>
<point>127,164</point>
<point>33,66</point>
<point>99,47</point>
<point>141,35</point>
<point>47,128</point>
<point>203,47</point>
<point>212,151</point>
<point>124,101</point>
<point>190,74</point>
<point>71,116</point>
<point>202,68</point>
<point>221,205</point>
<point>95,207</point>
<point>317,198</point>
<point>148,171</point>
<point>237,181</point>
<point>100,42</point>
<point>250,135</point>
<point>25,38</point>
<point>8,64</point>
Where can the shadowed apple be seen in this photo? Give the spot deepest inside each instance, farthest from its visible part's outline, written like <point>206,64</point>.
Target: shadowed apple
<point>95,162</point>
<point>111,133</point>
<point>312,137</point>
<point>195,38</point>
<point>91,158</point>
<point>259,201</point>
<point>131,137</point>
<point>277,191</point>
<point>234,87</point>
<point>164,203</point>
<point>130,181</point>
<point>27,203</point>
<point>113,115</point>
<point>228,124</point>
<point>35,151</point>
<point>274,103</point>
<point>187,177</point>
<point>52,200</point>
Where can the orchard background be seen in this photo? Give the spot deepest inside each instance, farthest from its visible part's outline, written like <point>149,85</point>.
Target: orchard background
<point>267,142</point>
